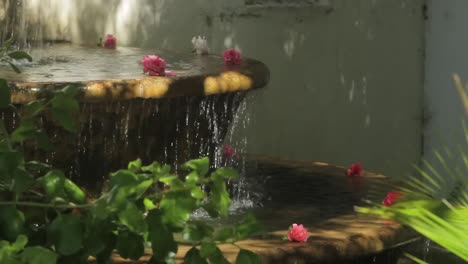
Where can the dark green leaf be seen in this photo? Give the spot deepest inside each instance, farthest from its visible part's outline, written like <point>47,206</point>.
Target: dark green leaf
<point>133,219</point>
<point>27,130</point>
<point>18,55</point>
<point>99,237</point>
<point>193,257</point>
<point>67,234</point>
<point>248,227</point>
<point>14,67</point>
<point>208,249</point>
<point>64,110</point>
<point>218,257</point>
<point>38,255</point>
<point>247,257</point>
<point>5,94</point>
<point>12,223</point>
<point>224,234</point>
<point>162,239</point>
<point>177,207</point>
<point>22,181</point>
<point>201,166</point>
<point>35,107</point>
<point>130,245</point>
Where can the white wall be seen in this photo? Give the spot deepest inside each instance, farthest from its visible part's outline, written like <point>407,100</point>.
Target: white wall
<point>346,85</point>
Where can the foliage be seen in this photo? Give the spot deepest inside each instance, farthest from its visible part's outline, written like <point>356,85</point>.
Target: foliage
<point>8,55</point>
<point>435,201</point>
<point>46,218</point>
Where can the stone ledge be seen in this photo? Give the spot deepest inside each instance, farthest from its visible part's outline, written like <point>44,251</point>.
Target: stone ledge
<point>251,74</point>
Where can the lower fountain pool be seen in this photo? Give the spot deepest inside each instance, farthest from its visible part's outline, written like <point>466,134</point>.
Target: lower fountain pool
<point>322,198</point>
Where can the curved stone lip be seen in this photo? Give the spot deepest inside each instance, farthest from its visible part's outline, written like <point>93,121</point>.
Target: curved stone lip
<point>250,74</point>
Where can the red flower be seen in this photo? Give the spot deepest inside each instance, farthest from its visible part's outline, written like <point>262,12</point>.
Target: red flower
<point>391,198</point>
<point>355,170</point>
<point>229,151</point>
<point>298,233</point>
<point>154,65</point>
<point>232,57</point>
<point>110,42</point>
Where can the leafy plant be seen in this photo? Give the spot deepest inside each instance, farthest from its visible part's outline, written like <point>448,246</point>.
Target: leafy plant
<point>45,218</point>
<point>435,201</point>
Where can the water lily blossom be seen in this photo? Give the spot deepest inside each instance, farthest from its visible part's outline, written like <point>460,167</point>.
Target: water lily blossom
<point>391,198</point>
<point>232,57</point>
<point>200,45</point>
<point>110,42</point>
<point>355,170</point>
<point>298,233</point>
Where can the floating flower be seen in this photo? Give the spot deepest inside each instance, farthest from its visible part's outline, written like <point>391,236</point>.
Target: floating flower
<point>232,57</point>
<point>200,45</point>
<point>229,151</point>
<point>154,65</point>
<point>297,233</point>
<point>110,42</point>
<point>391,198</point>
<point>355,170</point>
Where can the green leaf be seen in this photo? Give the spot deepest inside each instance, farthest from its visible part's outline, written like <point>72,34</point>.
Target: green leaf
<point>226,174</point>
<point>225,234</point>
<point>247,257</point>
<point>5,94</point>
<point>193,257</point>
<point>201,166</point>
<point>74,193</point>
<point>35,107</point>
<point>22,181</point>
<point>8,252</point>
<point>67,234</point>
<point>196,231</point>
<point>14,67</point>
<point>38,255</point>
<point>218,257</point>
<point>208,249</point>
<point>130,245</point>
<point>248,227</point>
<point>53,183</point>
<point>149,205</point>
<point>135,165</point>
<point>27,130</point>
<point>64,110</point>
<point>133,219</point>
<point>197,193</point>
<point>177,207</point>
<point>99,238</point>
<point>220,199</point>
<point>162,239</point>
<point>18,55</point>
<point>12,223</point>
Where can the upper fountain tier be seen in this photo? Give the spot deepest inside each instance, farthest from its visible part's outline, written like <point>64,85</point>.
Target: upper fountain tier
<point>107,75</point>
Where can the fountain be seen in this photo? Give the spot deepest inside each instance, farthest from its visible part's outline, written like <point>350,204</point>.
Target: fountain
<point>126,115</point>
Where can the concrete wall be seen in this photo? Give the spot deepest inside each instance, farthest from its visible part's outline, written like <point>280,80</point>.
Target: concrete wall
<point>447,42</point>
<point>346,79</point>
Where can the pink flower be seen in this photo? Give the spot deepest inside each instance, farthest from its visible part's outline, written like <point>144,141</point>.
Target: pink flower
<point>229,151</point>
<point>154,65</point>
<point>110,42</point>
<point>297,233</point>
<point>354,170</point>
<point>391,198</point>
<point>232,57</point>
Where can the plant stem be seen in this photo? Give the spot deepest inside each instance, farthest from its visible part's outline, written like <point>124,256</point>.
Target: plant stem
<point>33,204</point>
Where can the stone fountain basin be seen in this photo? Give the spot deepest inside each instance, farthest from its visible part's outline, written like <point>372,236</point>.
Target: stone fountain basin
<point>126,115</point>
<point>322,200</point>
<point>108,75</point>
